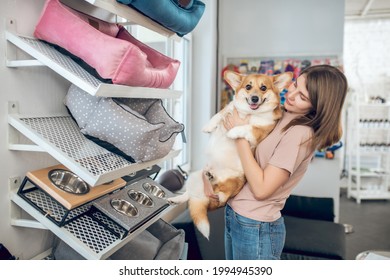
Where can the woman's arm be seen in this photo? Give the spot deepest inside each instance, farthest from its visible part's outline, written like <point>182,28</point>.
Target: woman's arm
<point>263,183</point>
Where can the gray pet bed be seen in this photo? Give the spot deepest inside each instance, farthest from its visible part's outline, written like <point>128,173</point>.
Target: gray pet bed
<point>160,241</point>
<point>137,127</point>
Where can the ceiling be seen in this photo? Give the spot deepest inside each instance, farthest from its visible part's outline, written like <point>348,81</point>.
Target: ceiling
<point>367,9</point>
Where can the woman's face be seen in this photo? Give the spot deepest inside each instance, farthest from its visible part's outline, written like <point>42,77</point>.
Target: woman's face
<point>297,97</point>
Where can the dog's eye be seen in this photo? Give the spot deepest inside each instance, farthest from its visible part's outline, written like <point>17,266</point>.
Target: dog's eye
<point>248,87</point>
<point>263,88</point>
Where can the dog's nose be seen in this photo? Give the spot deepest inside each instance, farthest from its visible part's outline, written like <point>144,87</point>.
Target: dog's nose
<point>255,99</point>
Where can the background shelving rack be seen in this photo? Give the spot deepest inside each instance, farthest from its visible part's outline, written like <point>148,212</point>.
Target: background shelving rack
<point>368,164</point>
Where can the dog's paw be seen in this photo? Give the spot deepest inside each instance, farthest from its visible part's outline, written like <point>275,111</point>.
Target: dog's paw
<point>178,199</point>
<point>234,133</point>
<point>242,131</point>
<point>208,128</point>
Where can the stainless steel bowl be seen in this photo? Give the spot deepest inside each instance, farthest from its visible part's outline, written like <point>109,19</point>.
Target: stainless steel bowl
<point>141,198</point>
<point>154,190</point>
<point>68,181</point>
<point>124,207</point>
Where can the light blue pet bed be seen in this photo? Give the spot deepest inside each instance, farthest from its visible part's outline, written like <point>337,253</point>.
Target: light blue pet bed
<point>180,16</point>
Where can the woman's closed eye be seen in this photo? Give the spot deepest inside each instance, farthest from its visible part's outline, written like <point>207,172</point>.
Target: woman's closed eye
<point>303,97</point>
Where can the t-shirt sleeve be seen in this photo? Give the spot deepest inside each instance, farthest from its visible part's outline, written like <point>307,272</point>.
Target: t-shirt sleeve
<point>290,151</point>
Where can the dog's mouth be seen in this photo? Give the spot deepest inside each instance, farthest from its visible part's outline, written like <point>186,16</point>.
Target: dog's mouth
<point>255,105</point>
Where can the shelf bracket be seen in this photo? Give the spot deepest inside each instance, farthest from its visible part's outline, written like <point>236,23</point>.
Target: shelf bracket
<point>14,135</point>
<point>16,211</point>
<point>11,51</point>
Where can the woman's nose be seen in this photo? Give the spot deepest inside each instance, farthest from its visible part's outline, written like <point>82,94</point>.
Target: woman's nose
<point>291,94</point>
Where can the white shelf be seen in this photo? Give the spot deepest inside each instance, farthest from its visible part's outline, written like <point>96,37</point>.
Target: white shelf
<point>83,235</point>
<point>366,195</point>
<point>368,174</point>
<point>368,166</point>
<point>387,104</point>
<point>61,138</point>
<point>373,153</point>
<point>129,14</point>
<point>74,73</point>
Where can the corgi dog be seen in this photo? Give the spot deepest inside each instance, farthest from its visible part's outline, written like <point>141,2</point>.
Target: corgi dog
<point>256,96</point>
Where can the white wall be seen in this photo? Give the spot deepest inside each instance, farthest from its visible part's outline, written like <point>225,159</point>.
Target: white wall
<point>278,27</point>
<point>204,80</point>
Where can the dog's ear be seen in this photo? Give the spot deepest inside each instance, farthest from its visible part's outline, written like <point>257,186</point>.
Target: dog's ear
<point>283,80</point>
<point>233,79</point>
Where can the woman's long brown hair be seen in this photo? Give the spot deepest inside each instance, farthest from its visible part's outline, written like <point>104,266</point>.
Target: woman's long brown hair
<point>327,87</point>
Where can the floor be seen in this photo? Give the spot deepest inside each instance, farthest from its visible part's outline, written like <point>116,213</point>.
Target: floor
<point>371,224</point>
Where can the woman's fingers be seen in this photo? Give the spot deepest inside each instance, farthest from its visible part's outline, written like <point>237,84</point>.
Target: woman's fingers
<point>228,122</point>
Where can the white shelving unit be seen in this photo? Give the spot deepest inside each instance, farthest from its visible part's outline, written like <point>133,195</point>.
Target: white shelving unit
<point>368,145</point>
<point>85,235</point>
<point>61,138</point>
<point>74,73</point>
<point>131,16</point>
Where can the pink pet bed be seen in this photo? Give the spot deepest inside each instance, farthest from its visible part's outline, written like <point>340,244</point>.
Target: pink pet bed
<point>107,47</point>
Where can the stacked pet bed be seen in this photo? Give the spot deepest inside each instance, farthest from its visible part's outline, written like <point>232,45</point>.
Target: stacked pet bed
<point>137,129</point>
<point>107,48</point>
<point>179,16</point>
<point>160,241</point>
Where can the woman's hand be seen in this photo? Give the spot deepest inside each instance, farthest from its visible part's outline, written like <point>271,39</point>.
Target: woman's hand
<point>233,120</point>
<point>208,188</point>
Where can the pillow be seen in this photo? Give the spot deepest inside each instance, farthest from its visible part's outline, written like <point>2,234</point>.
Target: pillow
<point>317,208</point>
<point>139,128</point>
<point>107,47</point>
<point>180,16</point>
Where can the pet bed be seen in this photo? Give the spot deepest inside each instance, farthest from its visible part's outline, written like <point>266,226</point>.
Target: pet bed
<point>138,128</point>
<point>160,241</point>
<point>180,16</point>
<point>107,47</point>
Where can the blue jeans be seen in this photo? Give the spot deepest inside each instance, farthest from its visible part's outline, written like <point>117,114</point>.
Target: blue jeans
<point>247,239</point>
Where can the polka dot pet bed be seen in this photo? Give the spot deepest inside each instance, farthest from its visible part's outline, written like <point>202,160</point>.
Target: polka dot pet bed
<point>140,129</point>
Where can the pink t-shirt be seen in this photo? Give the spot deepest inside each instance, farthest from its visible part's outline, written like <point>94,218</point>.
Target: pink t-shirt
<point>283,149</point>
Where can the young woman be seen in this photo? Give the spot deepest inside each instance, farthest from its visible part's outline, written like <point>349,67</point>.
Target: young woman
<point>254,227</point>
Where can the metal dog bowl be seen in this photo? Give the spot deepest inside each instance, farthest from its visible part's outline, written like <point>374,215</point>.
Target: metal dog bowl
<point>141,198</point>
<point>124,207</point>
<point>154,190</point>
<point>68,181</point>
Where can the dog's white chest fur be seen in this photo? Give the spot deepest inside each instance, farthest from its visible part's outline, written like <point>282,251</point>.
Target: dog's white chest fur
<point>222,156</point>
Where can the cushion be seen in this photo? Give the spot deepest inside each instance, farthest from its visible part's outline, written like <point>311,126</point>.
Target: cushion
<point>173,179</point>
<point>160,241</point>
<point>139,128</point>
<point>319,208</point>
<point>314,239</point>
<point>179,16</point>
<point>107,47</point>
